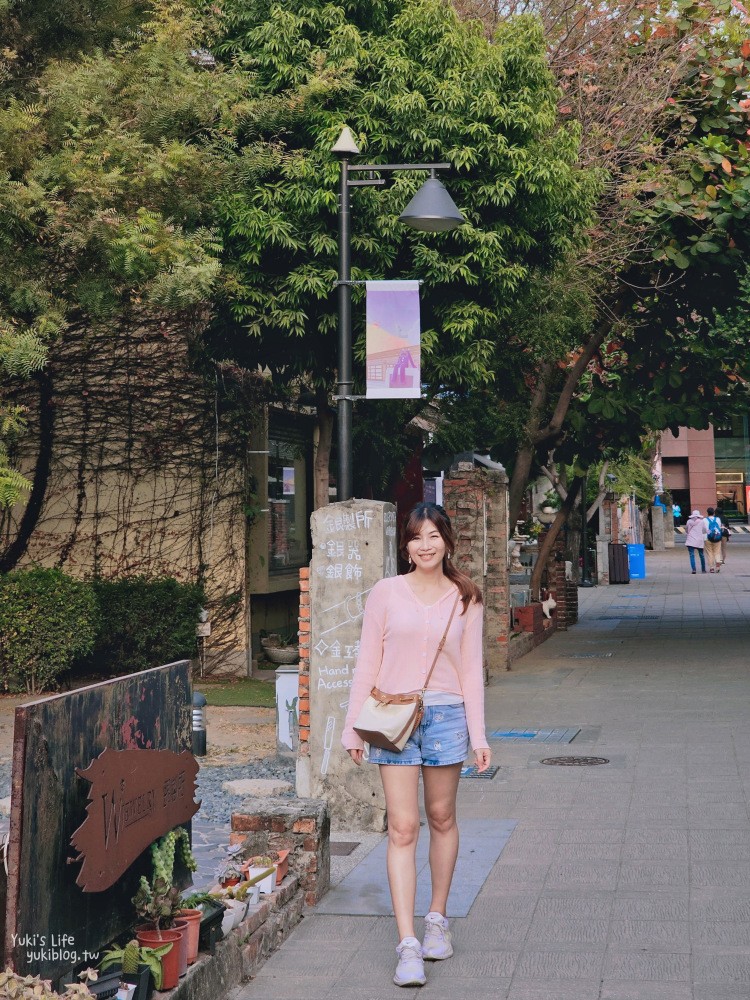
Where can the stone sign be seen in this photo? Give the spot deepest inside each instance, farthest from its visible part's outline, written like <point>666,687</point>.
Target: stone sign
<point>136,796</point>
<point>354,546</point>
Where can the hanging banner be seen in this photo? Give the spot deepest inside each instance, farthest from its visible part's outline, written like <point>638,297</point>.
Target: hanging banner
<point>393,340</point>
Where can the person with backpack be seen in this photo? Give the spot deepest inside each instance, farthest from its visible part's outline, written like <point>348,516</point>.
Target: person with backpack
<point>695,535</point>
<point>724,534</point>
<point>713,531</point>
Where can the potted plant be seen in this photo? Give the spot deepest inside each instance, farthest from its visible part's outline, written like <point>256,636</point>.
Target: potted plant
<point>230,873</point>
<point>141,966</point>
<point>279,859</point>
<point>261,871</point>
<point>212,909</point>
<point>158,902</point>
<point>281,649</point>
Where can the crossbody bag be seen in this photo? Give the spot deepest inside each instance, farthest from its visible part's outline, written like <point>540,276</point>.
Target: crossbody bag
<point>388,720</point>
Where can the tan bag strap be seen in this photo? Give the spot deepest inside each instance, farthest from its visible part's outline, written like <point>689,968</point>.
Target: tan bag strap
<point>442,642</point>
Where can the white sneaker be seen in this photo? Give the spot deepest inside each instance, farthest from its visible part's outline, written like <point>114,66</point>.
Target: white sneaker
<point>437,938</point>
<point>410,968</point>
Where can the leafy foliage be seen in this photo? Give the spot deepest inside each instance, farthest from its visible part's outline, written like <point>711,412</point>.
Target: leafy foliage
<point>143,623</point>
<point>46,620</point>
<point>414,83</point>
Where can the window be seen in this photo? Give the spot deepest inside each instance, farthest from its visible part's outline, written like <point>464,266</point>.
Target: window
<point>287,502</point>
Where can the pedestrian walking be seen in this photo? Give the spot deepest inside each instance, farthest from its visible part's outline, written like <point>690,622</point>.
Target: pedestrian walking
<point>712,545</point>
<point>724,534</point>
<point>695,538</point>
<point>404,621</point>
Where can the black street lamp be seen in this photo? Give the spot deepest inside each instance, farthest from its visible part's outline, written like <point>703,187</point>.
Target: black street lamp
<point>431,210</point>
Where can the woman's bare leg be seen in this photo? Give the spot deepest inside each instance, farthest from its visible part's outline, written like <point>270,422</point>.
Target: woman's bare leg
<point>440,789</point>
<point>401,787</point>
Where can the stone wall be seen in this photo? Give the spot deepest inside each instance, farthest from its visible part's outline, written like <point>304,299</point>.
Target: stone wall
<point>354,546</point>
<point>300,826</point>
<point>476,500</point>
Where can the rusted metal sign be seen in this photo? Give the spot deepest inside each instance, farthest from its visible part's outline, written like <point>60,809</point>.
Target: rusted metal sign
<point>135,797</point>
<point>55,738</point>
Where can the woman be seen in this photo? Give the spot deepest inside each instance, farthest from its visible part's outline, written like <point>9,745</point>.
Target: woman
<point>404,620</point>
<point>695,538</point>
<point>712,531</point>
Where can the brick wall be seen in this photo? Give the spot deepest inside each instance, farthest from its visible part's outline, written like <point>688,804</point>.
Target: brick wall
<point>476,500</point>
<point>565,591</point>
<point>301,826</point>
<point>304,662</point>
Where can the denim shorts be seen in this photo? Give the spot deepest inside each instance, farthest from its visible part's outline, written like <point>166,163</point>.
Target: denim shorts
<point>441,738</point>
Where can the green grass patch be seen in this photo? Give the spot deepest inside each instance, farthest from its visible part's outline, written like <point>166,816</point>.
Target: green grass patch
<point>246,693</point>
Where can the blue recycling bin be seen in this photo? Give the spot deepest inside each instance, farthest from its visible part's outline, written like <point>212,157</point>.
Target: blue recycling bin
<point>637,562</point>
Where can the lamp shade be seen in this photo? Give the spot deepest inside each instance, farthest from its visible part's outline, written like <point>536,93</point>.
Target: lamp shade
<point>432,209</point>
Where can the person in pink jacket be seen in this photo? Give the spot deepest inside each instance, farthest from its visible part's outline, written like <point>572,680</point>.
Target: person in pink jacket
<point>695,538</point>
<point>404,620</point>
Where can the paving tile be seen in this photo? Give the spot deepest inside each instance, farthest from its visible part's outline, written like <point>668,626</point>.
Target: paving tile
<point>590,852</point>
<point>592,906</point>
<point>573,874</point>
<point>720,935</point>
<point>720,991</point>
<point>564,930</point>
<point>641,965</point>
<point>441,986</point>
<point>653,873</point>
<point>551,989</point>
<point>652,935</point>
<point>733,875</point>
<point>612,990</point>
<point>722,968</point>
<point>543,964</point>
<point>645,906</point>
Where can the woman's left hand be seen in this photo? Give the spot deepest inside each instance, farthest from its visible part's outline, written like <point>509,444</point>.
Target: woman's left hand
<point>483,756</point>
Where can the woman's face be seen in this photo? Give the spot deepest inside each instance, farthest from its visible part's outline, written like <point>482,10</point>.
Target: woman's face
<point>427,548</point>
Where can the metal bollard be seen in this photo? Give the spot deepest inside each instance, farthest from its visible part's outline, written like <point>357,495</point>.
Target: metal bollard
<point>199,724</point>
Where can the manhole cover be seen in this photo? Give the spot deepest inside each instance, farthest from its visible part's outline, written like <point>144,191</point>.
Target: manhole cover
<point>575,761</point>
<point>471,772</point>
<point>343,848</point>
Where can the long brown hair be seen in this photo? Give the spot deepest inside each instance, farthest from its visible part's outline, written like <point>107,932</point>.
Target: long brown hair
<point>435,514</point>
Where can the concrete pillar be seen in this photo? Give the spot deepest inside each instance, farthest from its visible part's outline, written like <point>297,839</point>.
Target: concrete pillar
<point>657,529</point>
<point>354,546</point>
<point>669,528</point>
<point>476,500</point>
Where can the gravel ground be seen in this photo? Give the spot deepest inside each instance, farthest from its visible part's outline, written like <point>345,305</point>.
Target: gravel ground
<point>4,779</point>
<point>216,804</point>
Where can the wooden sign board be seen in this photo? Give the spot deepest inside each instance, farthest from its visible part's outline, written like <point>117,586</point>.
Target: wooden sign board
<point>54,740</point>
<point>136,796</point>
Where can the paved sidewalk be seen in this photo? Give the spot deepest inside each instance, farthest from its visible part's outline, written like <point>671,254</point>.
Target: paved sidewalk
<point>624,881</point>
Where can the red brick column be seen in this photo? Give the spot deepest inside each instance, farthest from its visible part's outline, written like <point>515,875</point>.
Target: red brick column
<point>304,661</point>
<point>476,500</point>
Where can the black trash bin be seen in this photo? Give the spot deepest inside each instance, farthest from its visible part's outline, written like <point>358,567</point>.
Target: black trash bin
<point>619,570</point>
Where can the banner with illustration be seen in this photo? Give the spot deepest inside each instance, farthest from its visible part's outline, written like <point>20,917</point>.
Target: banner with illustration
<point>393,340</point>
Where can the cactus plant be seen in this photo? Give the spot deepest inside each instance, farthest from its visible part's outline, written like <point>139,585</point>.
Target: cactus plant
<point>132,955</point>
<point>159,899</point>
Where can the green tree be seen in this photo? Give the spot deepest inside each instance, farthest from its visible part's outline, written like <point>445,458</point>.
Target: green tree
<point>415,83</point>
<point>111,165</point>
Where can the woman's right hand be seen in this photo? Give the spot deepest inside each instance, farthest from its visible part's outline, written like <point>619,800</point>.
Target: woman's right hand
<point>356,756</point>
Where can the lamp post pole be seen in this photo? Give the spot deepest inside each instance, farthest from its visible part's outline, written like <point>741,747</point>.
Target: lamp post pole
<point>344,479</point>
<point>431,210</point>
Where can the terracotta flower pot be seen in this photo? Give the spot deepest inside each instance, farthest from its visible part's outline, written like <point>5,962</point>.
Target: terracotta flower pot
<point>282,866</point>
<point>193,918</point>
<point>182,926</point>
<point>170,963</point>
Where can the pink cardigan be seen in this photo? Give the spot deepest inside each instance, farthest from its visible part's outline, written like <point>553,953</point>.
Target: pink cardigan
<point>399,638</point>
